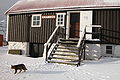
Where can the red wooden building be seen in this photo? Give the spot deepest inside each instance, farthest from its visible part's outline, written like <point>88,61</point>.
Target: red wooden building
<point>1,40</point>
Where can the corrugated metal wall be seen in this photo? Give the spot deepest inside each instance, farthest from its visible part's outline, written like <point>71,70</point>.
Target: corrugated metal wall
<point>110,22</point>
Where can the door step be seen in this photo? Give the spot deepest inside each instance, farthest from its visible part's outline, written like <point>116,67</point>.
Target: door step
<point>72,55</point>
<point>61,62</point>
<point>69,47</point>
<point>62,58</point>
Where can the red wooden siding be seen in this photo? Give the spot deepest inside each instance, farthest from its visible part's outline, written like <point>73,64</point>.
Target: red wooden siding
<point>1,40</point>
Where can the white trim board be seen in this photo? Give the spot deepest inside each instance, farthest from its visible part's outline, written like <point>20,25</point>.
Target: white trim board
<point>7,27</point>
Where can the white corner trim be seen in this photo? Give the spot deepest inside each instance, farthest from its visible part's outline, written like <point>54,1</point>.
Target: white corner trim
<point>7,27</point>
<point>67,25</point>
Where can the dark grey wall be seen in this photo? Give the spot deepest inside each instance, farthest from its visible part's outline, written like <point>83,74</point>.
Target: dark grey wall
<point>20,29</point>
<point>110,22</point>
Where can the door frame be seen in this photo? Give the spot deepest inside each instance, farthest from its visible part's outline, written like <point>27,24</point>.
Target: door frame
<point>68,23</point>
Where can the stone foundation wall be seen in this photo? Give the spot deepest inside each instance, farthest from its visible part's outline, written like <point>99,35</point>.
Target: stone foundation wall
<point>93,51</point>
<point>24,46</point>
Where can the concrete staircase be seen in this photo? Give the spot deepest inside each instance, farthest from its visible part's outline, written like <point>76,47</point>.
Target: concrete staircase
<point>65,52</point>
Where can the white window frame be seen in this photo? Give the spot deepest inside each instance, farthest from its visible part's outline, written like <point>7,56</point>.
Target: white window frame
<point>38,20</point>
<point>60,18</point>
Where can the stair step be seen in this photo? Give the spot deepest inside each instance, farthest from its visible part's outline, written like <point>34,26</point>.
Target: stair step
<point>62,58</point>
<point>71,48</point>
<point>67,51</point>
<point>70,39</point>
<point>61,62</point>
<point>70,43</point>
<point>65,54</point>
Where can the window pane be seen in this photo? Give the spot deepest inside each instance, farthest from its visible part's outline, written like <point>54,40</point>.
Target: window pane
<point>61,16</point>
<point>34,22</point>
<point>61,22</point>
<point>34,17</point>
<point>58,16</point>
<point>58,23</point>
<point>108,47</point>
<point>58,19</point>
<point>61,19</point>
<point>38,17</point>
<point>108,51</point>
<point>38,22</point>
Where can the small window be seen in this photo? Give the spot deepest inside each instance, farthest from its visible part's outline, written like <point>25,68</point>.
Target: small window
<point>60,19</point>
<point>95,31</point>
<point>36,20</point>
<point>108,49</point>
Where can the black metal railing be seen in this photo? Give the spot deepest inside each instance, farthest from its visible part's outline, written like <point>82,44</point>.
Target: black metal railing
<point>81,52</point>
<point>82,47</point>
<point>110,36</point>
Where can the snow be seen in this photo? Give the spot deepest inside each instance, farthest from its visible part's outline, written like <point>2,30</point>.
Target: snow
<point>112,1</point>
<point>106,68</point>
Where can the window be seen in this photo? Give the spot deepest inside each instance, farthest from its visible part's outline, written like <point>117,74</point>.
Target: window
<point>60,19</point>
<point>108,49</point>
<point>36,20</point>
<point>95,31</point>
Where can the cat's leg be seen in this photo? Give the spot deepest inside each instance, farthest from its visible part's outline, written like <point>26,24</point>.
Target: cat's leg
<point>15,71</point>
<point>24,70</point>
<point>20,70</point>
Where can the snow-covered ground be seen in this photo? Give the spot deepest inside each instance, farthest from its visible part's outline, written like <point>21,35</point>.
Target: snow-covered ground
<point>103,69</point>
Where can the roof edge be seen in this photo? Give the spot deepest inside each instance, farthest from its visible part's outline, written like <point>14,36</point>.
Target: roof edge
<point>61,9</point>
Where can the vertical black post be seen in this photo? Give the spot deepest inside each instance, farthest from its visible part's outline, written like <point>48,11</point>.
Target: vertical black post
<point>79,54</point>
<point>100,35</point>
<point>59,33</point>
<point>84,44</point>
<point>84,53</point>
<point>46,53</point>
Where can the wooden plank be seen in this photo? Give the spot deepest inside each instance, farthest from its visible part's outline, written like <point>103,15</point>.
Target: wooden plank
<point>109,19</point>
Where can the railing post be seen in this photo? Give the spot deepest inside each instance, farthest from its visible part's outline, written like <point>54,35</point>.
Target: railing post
<point>46,53</point>
<point>79,57</point>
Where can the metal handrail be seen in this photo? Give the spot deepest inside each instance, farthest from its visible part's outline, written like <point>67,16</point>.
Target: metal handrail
<point>48,44</point>
<point>81,42</point>
<point>81,47</point>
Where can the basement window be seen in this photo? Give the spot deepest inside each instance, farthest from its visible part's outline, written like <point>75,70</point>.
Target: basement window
<point>36,20</point>
<point>108,49</point>
<point>60,19</point>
